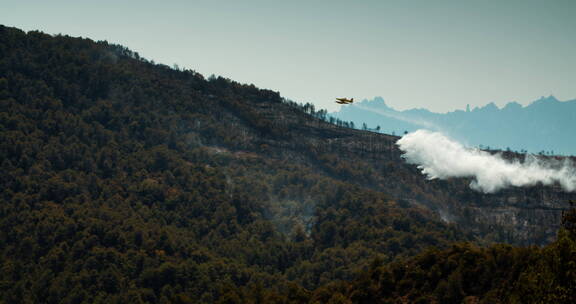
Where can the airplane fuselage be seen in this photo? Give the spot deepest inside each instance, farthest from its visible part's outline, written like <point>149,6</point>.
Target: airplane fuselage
<point>344,100</point>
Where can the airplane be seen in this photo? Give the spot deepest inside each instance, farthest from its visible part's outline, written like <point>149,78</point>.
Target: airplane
<point>344,100</point>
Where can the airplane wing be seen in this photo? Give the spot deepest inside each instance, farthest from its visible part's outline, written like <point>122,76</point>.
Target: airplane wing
<point>344,100</point>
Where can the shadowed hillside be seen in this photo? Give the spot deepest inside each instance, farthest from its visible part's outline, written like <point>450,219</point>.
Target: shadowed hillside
<point>128,181</point>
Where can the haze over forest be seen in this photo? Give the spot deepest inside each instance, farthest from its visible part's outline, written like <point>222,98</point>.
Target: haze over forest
<point>127,181</point>
<point>545,126</point>
<point>183,152</point>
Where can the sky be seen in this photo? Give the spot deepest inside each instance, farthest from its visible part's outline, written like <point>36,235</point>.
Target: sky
<point>440,55</point>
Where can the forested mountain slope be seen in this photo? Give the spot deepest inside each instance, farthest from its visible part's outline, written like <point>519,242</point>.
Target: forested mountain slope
<point>469,274</point>
<point>128,181</point>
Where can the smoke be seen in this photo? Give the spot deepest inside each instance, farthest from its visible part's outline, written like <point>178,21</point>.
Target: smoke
<point>440,157</point>
<point>395,115</point>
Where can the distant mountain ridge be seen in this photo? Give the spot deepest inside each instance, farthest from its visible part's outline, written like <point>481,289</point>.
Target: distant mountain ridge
<point>544,126</point>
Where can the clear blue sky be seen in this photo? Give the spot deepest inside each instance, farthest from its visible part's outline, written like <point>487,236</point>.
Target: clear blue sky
<point>440,55</point>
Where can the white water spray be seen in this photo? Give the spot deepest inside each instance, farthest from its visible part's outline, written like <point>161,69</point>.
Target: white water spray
<point>440,157</point>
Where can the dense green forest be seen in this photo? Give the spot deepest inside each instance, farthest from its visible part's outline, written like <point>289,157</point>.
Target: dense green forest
<point>126,181</point>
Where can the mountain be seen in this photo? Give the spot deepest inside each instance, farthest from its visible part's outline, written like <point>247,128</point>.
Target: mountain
<point>469,274</point>
<point>126,181</point>
<point>543,126</point>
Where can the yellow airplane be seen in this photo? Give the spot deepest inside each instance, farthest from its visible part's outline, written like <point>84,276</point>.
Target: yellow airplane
<point>344,100</point>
